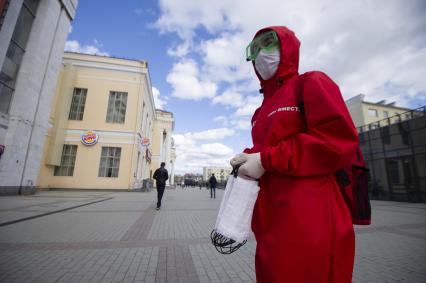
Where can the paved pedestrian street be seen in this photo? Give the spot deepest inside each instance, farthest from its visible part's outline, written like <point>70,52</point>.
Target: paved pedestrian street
<point>90,236</point>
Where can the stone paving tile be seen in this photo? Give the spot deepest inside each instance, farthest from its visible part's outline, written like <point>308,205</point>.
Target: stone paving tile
<point>170,224</point>
<point>212,265</point>
<point>70,227</point>
<point>104,265</point>
<point>14,208</point>
<point>120,207</point>
<point>125,240</point>
<point>122,202</point>
<point>389,257</point>
<point>141,227</point>
<point>8,204</point>
<point>383,216</point>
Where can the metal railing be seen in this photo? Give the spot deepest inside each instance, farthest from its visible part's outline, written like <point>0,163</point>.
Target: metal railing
<point>408,115</point>
<point>395,151</point>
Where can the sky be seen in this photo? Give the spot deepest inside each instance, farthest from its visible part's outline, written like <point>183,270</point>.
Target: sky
<point>196,55</point>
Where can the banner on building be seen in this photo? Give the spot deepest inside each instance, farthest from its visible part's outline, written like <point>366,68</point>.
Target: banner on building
<point>145,142</point>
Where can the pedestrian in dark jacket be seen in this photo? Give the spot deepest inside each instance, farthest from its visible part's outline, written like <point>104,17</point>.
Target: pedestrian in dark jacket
<point>212,182</point>
<point>161,175</point>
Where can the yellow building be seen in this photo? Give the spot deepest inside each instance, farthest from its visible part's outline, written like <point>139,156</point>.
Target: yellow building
<point>163,144</point>
<point>364,112</point>
<point>102,120</point>
<point>221,173</point>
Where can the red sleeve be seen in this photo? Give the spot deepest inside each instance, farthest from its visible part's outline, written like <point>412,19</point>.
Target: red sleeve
<point>330,139</point>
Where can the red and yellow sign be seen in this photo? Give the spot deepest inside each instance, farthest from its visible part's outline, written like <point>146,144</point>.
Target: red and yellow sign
<point>145,142</point>
<point>89,138</point>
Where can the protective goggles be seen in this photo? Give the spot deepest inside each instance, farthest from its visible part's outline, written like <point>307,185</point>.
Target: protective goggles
<point>267,41</point>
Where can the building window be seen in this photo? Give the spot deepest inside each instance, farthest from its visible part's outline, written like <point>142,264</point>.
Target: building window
<point>77,104</point>
<point>386,114</point>
<point>66,168</point>
<point>393,169</point>
<point>110,162</point>
<point>397,118</point>
<point>361,136</point>
<point>372,126</point>
<point>15,53</point>
<point>116,107</point>
<point>385,133</point>
<point>372,112</point>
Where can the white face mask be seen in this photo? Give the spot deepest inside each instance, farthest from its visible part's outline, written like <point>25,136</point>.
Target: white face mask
<point>267,62</point>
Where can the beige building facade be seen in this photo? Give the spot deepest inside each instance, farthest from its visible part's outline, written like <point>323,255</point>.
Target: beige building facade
<point>364,112</point>
<point>102,124</point>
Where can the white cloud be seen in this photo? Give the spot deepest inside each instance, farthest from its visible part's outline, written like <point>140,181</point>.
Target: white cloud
<point>250,105</point>
<point>158,100</point>
<point>224,58</point>
<point>180,50</point>
<point>216,149</point>
<point>242,124</point>
<point>229,97</point>
<point>237,123</point>
<point>364,46</point>
<point>75,46</point>
<point>183,140</point>
<point>183,17</point>
<point>186,82</point>
<point>245,107</point>
<point>221,120</point>
<point>214,134</point>
<point>194,151</point>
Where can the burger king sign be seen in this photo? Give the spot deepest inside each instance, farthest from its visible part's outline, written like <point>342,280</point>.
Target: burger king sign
<point>89,138</point>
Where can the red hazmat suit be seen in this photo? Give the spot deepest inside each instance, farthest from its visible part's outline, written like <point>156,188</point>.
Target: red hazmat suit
<point>302,225</point>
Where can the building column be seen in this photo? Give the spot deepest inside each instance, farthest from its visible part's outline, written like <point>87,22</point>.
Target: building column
<point>32,98</point>
<point>172,174</point>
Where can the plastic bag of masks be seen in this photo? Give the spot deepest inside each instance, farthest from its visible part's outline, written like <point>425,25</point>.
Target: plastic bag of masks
<point>233,224</point>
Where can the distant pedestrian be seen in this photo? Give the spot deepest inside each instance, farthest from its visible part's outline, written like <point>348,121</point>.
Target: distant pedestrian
<point>212,183</point>
<point>161,175</point>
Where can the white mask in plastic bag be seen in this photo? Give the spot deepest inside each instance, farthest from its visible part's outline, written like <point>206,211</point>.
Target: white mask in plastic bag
<point>267,62</point>
<point>236,209</point>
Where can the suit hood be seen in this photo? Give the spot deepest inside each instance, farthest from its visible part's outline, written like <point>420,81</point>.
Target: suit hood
<point>289,54</point>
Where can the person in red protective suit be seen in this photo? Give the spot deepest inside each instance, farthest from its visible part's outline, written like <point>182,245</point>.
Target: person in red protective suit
<point>302,225</point>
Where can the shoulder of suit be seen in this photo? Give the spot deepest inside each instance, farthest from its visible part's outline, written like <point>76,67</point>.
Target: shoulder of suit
<point>315,75</point>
